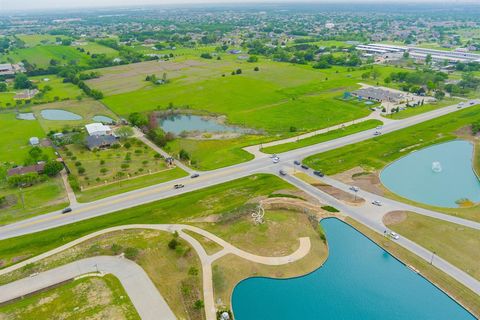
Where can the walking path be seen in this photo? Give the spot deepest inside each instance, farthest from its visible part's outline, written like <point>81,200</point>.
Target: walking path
<point>149,304</point>
<point>70,194</point>
<point>142,287</point>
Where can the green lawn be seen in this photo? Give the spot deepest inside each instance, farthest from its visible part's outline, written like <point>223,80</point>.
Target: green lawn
<point>32,40</point>
<point>334,134</point>
<point>41,198</point>
<point>86,298</point>
<point>14,135</point>
<point>96,48</point>
<point>454,243</point>
<point>212,200</point>
<point>410,112</point>
<point>377,152</point>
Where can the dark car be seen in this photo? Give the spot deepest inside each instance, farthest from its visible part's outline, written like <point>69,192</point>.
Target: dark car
<point>195,175</point>
<point>305,167</point>
<point>178,186</point>
<point>296,162</point>
<point>318,173</point>
<point>282,172</point>
<point>66,210</point>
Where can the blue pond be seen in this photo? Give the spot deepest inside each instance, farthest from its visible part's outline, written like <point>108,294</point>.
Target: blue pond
<point>359,280</point>
<point>179,123</point>
<point>438,175</point>
<point>102,119</point>
<point>58,114</point>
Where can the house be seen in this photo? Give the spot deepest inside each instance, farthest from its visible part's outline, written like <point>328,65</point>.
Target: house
<point>6,69</point>
<point>38,168</point>
<point>34,141</point>
<point>100,142</point>
<point>98,129</point>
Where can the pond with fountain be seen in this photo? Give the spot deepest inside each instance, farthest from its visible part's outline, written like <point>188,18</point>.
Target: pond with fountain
<point>440,175</point>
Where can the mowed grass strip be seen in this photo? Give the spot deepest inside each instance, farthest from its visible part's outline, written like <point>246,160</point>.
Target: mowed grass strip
<point>457,244</point>
<point>212,200</point>
<point>377,152</point>
<point>334,134</point>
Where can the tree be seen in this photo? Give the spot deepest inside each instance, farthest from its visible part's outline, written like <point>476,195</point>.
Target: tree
<point>252,59</point>
<point>199,304</point>
<point>172,244</point>
<point>206,55</point>
<point>3,87</point>
<point>137,119</point>
<point>52,168</point>
<point>21,82</point>
<point>124,132</point>
<point>184,155</point>
<point>428,59</point>
<point>256,69</point>
<point>81,170</point>
<point>238,71</point>
<point>439,95</point>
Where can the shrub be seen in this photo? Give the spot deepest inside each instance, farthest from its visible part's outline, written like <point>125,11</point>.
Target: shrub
<point>131,253</point>
<point>81,170</point>
<point>116,248</point>
<point>173,244</point>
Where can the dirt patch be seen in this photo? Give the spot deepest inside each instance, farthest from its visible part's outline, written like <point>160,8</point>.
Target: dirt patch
<point>368,181</point>
<point>340,194</point>
<point>209,219</point>
<point>394,217</point>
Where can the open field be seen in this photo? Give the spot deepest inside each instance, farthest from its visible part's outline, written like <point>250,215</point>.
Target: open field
<point>86,108</point>
<point>167,268</point>
<point>14,135</point>
<point>32,40</point>
<point>334,134</point>
<point>92,298</point>
<point>459,292</point>
<point>41,55</point>
<point>26,202</point>
<point>377,152</point>
<point>96,48</point>
<point>212,200</point>
<point>409,112</point>
<point>275,98</point>
<point>456,244</point>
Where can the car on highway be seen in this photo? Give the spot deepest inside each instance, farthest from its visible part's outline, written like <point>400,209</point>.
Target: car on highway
<point>305,167</point>
<point>178,186</point>
<point>195,175</point>
<point>296,162</point>
<point>472,102</point>
<point>282,172</point>
<point>376,203</point>
<point>318,173</point>
<point>377,133</point>
<point>276,160</point>
<point>379,127</point>
<point>394,235</point>
<point>354,188</point>
<point>66,210</point>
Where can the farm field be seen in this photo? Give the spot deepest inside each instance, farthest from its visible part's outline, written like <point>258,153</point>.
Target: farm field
<point>96,48</point>
<point>41,55</point>
<point>89,297</point>
<point>86,108</point>
<point>273,99</point>
<point>32,40</point>
<point>14,136</point>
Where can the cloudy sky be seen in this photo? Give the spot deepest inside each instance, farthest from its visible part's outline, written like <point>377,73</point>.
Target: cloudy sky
<point>53,4</point>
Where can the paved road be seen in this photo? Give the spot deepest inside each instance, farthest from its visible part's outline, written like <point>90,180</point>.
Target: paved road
<point>165,190</point>
<point>144,295</point>
<point>133,277</point>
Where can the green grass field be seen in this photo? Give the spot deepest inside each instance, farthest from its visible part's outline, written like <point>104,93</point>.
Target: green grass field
<point>334,134</point>
<point>212,200</point>
<point>14,135</point>
<point>377,152</point>
<point>87,108</point>
<point>32,40</point>
<point>96,48</point>
<point>41,55</point>
<point>86,298</point>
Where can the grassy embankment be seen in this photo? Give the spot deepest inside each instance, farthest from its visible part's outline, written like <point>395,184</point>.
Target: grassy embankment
<point>334,134</point>
<point>456,244</point>
<point>216,199</point>
<point>92,297</point>
<point>377,152</point>
<point>455,289</point>
<point>410,112</point>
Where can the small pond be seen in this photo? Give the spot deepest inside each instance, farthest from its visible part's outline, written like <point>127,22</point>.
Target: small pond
<point>438,175</point>
<point>26,116</point>
<point>102,119</point>
<point>179,123</point>
<point>359,280</point>
<point>58,114</point>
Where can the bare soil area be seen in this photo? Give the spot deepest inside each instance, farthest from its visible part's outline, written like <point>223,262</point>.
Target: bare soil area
<point>394,217</point>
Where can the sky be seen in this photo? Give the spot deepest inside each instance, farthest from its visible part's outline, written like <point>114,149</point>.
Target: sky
<point>59,4</point>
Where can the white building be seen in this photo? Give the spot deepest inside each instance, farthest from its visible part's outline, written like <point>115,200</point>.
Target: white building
<point>98,129</point>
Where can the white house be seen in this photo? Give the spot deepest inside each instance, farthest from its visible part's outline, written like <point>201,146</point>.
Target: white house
<point>98,129</point>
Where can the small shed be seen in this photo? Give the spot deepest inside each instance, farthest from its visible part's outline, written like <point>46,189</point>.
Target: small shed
<point>34,141</point>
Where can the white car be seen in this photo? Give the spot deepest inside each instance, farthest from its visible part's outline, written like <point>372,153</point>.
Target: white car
<point>376,203</point>
<point>394,235</point>
<point>276,160</point>
<point>354,188</point>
